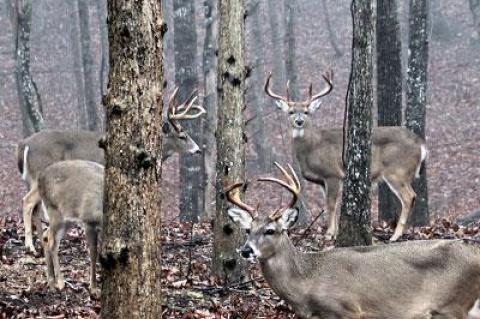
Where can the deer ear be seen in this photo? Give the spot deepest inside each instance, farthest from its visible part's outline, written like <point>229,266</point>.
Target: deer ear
<point>289,218</point>
<point>282,105</point>
<point>240,217</point>
<point>314,105</point>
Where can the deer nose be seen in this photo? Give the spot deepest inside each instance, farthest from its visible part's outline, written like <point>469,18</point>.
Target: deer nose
<point>246,252</point>
<point>299,122</point>
<point>198,151</point>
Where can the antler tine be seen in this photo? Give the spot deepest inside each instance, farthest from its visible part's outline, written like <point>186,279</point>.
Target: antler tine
<point>187,106</point>
<point>328,77</point>
<point>171,102</point>
<point>236,200</point>
<point>288,90</point>
<point>269,92</point>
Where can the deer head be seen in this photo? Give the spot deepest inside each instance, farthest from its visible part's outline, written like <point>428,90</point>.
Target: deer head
<point>300,112</point>
<point>175,138</point>
<point>265,231</point>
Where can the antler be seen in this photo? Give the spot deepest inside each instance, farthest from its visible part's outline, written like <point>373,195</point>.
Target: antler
<point>292,184</point>
<point>237,201</point>
<point>328,77</point>
<point>185,107</point>
<point>269,92</point>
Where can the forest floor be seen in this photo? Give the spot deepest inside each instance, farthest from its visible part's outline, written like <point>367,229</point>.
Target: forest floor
<point>189,289</point>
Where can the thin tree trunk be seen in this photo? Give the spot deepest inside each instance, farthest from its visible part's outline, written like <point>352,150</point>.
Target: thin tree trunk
<point>355,209</point>
<point>210,103</point>
<point>331,33</point>
<point>30,95</point>
<point>230,134</point>
<point>277,48</point>
<point>389,88</point>
<point>475,9</point>
<point>185,46</point>
<point>417,97</point>
<point>102,22</point>
<point>87,61</point>
<point>131,248</point>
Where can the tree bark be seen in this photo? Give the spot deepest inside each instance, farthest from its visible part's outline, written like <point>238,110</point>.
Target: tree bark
<point>355,210</point>
<point>31,100</point>
<point>102,22</point>
<point>185,46</point>
<point>277,48</point>
<point>417,97</point>
<point>87,61</point>
<point>210,104</point>
<point>230,134</point>
<point>389,89</point>
<point>331,33</point>
<point>131,248</point>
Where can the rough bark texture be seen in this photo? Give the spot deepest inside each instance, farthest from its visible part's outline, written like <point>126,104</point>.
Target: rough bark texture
<point>355,210</point>
<point>389,88</point>
<point>87,62</point>
<point>475,9</point>
<point>210,104</point>
<point>102,22</point>
<point>227,263</point>
<point>257,104</point>
<point>31,101</point>
<point>331,33</point>
<point>131,248</point>
<point>417,97</point>
<point>185,46</point>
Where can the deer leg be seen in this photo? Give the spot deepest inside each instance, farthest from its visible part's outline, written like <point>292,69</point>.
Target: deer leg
<point>48,259</point>
<point>332,186</point>
<point>92,239</point>
<point>30,201</point>
<point>406,195</point>
<point>55,235</point>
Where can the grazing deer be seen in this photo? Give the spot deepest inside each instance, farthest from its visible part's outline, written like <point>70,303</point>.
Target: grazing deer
<point>416,279</point>
<point>71,191</point>
<point>397,155</point>
<point>44,148</point>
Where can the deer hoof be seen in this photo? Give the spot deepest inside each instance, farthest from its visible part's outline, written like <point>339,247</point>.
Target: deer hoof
<point>330,235</point>
<point>60,284</point>
<point>395,237</point>
<point>95,293</point>
<point>31,250</point>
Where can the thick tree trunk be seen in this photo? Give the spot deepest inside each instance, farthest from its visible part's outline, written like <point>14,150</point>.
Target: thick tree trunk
<point>102,22</point>
<point>417,97</point>
<point>32,103</point>
<point>185,46</point>
<point>389,89</point>
<point>257,81</point>
<point>355,210</point>
<point>230,134</point>
<point>277,48</point>
<point>210,104</point>
<point>131,248</point>
<point>87,61</point>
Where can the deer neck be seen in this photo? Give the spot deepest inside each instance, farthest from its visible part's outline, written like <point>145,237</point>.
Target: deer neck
<point>285,270</point>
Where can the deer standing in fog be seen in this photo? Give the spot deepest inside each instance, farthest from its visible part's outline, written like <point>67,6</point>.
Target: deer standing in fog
<point>37,152</point>
<point>436,279</point>
<point>397,154</point>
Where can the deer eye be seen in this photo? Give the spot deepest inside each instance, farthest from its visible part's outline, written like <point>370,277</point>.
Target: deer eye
<point>182,136</point>
<point>269,232</point>
<point>291,112</point>
<point>247,231</point>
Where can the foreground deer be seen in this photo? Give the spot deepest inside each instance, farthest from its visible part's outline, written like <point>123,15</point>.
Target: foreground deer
<point>71,191</point>
<point>420,279</point>
<point>44,148</point>
<point>397,155</point>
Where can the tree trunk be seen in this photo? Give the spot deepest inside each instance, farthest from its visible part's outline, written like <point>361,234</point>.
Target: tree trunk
<point>389,89</point>
<point>355,210</point>
<point>30,96</point>
<point>87,61</point>
<point>331,33</point>
<point>210,103</point>
<point>417,97</point>
<point>230,134</point>
<point>131,248</point>
<point>102,22</point>
<point>475,9</point>
<point>77,64</point>
<point>185,46</point>
<point>277,48</point>
<point>257,81</point>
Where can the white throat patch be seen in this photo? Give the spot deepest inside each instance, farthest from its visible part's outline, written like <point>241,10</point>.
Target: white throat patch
<point>298,132</point>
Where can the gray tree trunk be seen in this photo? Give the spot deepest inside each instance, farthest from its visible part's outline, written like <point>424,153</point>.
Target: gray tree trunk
<point>354,228</point>
<point>210,104</point>
<point>475,9</point>
<point>389,88</point>
<point>131,247</point>
<point>87,61</point>
<point>277,47</point>
<point>227,263</point>
<point>257,81</point>
<point>417,97</point>
<point>31,100</point>
<point>191,167</point>
<point>102,22</point>
<point>331,33</point>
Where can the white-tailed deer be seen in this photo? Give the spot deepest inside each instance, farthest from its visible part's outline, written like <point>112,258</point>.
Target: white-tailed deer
<point>71,192</point>
<point>416,279</point>
<point>44,148</point>
<point>397,155</point>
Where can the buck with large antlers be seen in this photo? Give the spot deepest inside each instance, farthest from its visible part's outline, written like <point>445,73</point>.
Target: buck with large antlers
<point>44,148</point>
<point>419,279</point>
<point>397,154</point>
